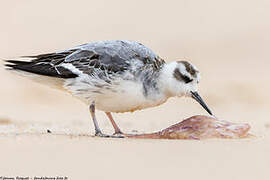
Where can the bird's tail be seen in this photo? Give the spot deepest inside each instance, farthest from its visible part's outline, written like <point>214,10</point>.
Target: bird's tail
<point>26,69</point>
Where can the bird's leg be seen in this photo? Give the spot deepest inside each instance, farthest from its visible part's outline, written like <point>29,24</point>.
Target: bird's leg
<point>97,129</point>
<point>116,128</point>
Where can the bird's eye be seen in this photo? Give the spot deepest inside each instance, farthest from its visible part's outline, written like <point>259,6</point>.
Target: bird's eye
<point>186,79</point>
<point>181,77</point>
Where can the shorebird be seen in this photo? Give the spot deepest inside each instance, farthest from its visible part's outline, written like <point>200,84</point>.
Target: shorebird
<point>113,76</point>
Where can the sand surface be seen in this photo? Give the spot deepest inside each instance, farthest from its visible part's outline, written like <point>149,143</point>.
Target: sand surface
<point>228,41</point>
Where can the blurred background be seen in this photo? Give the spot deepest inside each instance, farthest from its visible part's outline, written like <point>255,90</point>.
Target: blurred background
<point>227,40</point>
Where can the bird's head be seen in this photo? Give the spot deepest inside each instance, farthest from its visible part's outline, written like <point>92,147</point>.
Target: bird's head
<point>180,78</point>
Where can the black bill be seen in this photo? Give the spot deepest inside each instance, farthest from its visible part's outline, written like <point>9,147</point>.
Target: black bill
<point>198,98</point>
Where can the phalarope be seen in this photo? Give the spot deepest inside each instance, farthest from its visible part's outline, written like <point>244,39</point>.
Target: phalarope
<point>113,76</point>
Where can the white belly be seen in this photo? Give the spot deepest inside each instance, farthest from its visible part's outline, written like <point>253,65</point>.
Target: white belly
<point>126,96</point>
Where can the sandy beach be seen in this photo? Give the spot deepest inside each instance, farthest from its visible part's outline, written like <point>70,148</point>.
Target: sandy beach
<point>229,43</point>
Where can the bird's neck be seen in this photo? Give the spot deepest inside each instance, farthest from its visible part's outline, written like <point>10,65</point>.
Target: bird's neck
<point>159,84</point>
<point>165,80</point>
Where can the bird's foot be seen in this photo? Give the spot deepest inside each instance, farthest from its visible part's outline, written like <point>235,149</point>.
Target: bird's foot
<point>118,136</point>
<point>118,133</point>
<point>100,134</point>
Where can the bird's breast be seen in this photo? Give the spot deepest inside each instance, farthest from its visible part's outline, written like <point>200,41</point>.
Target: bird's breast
<point>128,96</point>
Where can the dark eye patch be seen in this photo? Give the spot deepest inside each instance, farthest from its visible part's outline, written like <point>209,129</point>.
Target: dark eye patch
<point>186,79</point>
<point>179,76</point>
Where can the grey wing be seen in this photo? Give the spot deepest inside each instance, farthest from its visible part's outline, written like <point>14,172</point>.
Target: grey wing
<point>71,63</point>
<point>115,55</point>
<point>101,58</point>
<point>90,62</point>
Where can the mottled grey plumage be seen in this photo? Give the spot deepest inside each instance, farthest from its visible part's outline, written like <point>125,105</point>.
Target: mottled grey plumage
<point>115,56</point>
<point>106,59</point>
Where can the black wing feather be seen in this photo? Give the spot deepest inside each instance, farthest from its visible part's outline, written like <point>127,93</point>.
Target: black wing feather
<point>45,64</point>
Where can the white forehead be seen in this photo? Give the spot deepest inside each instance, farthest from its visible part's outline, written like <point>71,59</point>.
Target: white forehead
<point>182,69</point>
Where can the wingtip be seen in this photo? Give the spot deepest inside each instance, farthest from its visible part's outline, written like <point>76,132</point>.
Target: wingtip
<point>13,64</point>
<point>4,61</point>
<point>16,62</point>
<point>9,66</point>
